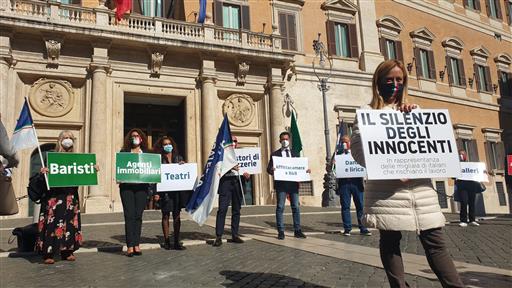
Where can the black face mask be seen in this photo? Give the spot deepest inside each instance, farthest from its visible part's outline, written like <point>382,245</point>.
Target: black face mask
<point>388,90</point>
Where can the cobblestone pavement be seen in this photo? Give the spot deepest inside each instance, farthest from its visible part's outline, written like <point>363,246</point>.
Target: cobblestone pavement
<point>253,264</point>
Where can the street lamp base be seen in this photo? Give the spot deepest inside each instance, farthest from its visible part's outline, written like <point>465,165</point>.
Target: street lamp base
<point>329,197</point>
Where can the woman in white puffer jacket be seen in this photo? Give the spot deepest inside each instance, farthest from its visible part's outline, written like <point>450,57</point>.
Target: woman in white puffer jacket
<point>402,204</point>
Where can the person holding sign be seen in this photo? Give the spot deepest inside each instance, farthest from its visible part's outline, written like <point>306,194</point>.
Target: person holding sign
<point>133,195</point>
<point>171,201</point>
<point>59,220</point>
<point>230,191</point>
<point>466,191</point>
<point>402,204</point>
<point>348,188</point>
<point>284,188</point>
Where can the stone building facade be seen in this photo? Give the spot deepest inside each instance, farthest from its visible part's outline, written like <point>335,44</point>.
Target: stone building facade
<point>157,69</point>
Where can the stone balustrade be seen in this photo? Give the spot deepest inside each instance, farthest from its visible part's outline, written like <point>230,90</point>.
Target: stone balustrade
<point>103,19</point>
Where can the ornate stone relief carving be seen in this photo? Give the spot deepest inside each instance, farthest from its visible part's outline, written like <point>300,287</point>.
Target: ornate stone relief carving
<point>157,59</point>
<point>53,51</point>
<point>288,106</point>
<point>51,98</point>
<point>243,69</point>
<point>240,109</point>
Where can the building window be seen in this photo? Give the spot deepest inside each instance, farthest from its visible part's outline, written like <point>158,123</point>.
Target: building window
<point>472,4</point>
<point>505,83</point>
<point>441,194</point>
<point>425,67</point>
<point>495,152</point>
<point>342,39</point>
<point>231,15</point>
<point>493,9</point>
<point>508,7</point>
<point>153,8</point>
<point>483,78</point>
<point>470,146</point>
<point>288,30</point>
<point>306,188</point>
<point>456,75</point>
<point>390,49</point>
<point>389,33</point>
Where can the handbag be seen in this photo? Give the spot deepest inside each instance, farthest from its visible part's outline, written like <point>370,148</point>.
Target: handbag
<point>36,189</point>
<point>8,203</point>
<point>481,187</point>
<point>26,237</point>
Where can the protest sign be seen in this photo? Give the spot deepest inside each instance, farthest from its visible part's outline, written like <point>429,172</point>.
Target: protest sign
<point>474,171</point>
<point>249,160</point>
<point>418,144</point>
<point>137,167</point>
<point>291,169</point>
<point>347,167</point>
<point>71,169</point>
<point>177,177</point>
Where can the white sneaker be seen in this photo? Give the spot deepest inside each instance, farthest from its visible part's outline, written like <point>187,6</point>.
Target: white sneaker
<point>463,224</point>
<point>474,223</point>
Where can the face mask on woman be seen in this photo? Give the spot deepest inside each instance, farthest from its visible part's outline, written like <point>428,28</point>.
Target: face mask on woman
<point>285,143</point>
<point>388,90</point>
<point>168,148</point>
<point>346,146</point>
<point>67,143</point>
<point>136,141</point>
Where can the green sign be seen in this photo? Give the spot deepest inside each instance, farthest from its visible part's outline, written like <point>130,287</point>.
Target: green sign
<point>71,169</point>
<point>138,167</point>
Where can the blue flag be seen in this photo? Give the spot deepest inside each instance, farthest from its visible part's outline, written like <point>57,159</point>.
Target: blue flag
<point>339,145</point>
<point>24,134</point>
<point>202,11</point>
<point>222,159</point>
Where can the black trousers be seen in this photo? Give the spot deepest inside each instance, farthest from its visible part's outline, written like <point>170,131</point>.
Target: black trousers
<point>134,199</point>
<point>467,198</point>
<point>435,249</point>
<point>229,192</point>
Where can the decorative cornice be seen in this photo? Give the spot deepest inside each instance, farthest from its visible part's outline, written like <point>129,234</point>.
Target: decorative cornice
<point>453,42</point>
<point>423,33</point>
<point>342,6</point>
<point>391,23</point>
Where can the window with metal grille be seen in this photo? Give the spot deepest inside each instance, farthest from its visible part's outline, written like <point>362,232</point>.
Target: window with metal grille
<point>306,188</point>
<point>441,194</point>
<point>501,194</point>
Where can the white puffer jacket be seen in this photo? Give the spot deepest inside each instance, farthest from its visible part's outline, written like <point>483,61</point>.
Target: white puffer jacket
<point>396,205</point>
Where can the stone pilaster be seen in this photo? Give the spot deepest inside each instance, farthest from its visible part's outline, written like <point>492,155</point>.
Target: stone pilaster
<point>209,106</point>
<point>277,124</point>
<point>6,61</point>
<point>370,50</point>
<point>98,198</point>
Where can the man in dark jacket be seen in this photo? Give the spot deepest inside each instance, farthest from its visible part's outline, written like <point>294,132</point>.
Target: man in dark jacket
<point>348,188</point>
<point>230,192</point>
<point>284,188</point>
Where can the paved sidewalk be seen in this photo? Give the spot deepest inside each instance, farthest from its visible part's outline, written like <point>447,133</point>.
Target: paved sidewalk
<point>324,259</point>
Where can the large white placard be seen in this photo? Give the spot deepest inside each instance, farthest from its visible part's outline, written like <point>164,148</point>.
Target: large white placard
<point>347,167</point>
<point>474,171</point>
<point>249,160</point>
<point>291,169</point>
<point>419,144</point>
<point>177,177</point>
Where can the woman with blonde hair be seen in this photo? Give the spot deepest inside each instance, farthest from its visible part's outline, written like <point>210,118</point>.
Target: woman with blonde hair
<point>399,205</point>
<point>59,220</point>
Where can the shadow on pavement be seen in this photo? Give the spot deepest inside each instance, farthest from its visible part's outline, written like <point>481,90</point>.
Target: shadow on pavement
<point>242,279</point>
<point>289,227</point>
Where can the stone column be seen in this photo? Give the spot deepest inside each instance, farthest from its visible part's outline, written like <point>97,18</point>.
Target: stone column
<point>98,198</point>
<point>6,100</point>
<point>370,50</point>
<point>277,123</point>
<point>209,107</point>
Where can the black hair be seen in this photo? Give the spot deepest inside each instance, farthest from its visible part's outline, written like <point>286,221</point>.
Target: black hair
<point>284,133</point>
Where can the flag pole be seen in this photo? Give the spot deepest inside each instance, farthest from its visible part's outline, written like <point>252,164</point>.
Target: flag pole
<point>39,149</point>
<point>241,187</point>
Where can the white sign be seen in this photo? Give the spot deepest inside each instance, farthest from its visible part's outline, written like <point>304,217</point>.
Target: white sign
<point>474,171</point>
<point>249,160</point>
<point>347,167</point>
<point>419,144</point>
<point>177,177</point>
<point>291,169</point>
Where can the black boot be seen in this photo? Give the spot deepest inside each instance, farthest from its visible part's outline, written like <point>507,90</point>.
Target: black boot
<point>167,244</point>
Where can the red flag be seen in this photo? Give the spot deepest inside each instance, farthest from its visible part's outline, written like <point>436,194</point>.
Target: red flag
<point>123,6</point>
<point>509,163</point>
